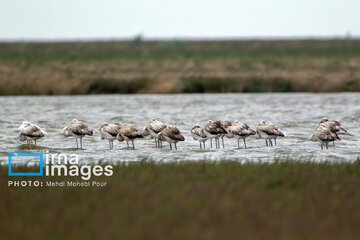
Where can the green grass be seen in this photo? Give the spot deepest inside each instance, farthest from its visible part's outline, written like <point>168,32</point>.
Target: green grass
<point>179,66</point>
<point>87,51</point>
<point>192,200</point>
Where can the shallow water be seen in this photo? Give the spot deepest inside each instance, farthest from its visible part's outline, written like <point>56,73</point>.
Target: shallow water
<point>296,114</point>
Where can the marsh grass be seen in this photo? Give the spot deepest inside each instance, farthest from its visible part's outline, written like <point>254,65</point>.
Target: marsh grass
<point>108,85</point>
<point>255,84</point>
<point>179,66</point>
<point>191,200</point>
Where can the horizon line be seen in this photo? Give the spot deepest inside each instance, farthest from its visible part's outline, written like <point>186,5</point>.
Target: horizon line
<point>154,39</point>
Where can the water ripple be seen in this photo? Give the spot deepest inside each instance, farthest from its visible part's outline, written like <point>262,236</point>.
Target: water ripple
<point>296,114</point>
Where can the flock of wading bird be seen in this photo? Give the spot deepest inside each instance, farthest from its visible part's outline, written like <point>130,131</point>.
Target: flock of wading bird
<point>326,131</point>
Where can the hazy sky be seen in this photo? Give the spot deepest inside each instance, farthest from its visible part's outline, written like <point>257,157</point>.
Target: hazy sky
<point>78,19</point>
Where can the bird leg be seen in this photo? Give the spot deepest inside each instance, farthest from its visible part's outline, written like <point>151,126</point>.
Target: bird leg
<point>275,141</point>
<point>35,143</point>
<point>238,143</point>
<point>222,139</point>
<point>327,145</point>
<point>244,142</point>
<point>77,145</point>
<point>211,142</point>
<point>334,143</point>
<point>170,146</point>
<point>175,146</point>
<point>321,145</point>
<point>266,142</point>
<point>200,144</point>
<point>81,143</point>
<point>127,143</point>
<point>270,142</point>
<point>156,142</point>
<point>204,144</point>
<point>133,144</point>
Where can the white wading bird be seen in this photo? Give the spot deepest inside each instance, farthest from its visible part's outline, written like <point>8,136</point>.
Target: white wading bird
<point>30,132</point>
<point>172,135</point>
<point>225,125</point>
<point>240,130</point>
<point>77,129</point>
<point>268,131</point>
<point>214,130</point>
<point>153,128</point>
<point>129,133</point>
<point>109,132</point>
<point>198,134</point>
<point>324,135</point>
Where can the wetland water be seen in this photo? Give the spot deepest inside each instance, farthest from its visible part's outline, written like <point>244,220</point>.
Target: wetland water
<point>296,114</point>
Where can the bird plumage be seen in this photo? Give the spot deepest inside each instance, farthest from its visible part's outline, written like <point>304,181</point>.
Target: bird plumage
<point>129,133</point>
<point>214,128</point>
<point>172,135</point>
<point>333,125</point>
<point>109,132</point>
<point>268,130</point>
<point>109,129</point>
<point>325,135</point>
<point>153,128</point>
<point>198,134</point>
<point>78,129</point>
<point>29,131</point>
<point>241,130</point>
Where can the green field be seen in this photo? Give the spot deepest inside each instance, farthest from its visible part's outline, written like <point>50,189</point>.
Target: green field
<point>179,66</point>
<point>191,200</point>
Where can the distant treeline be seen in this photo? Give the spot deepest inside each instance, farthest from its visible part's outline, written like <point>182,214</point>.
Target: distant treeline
<point>179,67</point>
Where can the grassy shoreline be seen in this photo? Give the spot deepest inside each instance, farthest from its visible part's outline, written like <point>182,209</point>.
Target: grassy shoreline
<point>179,67</point>
<point>197,200</point>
